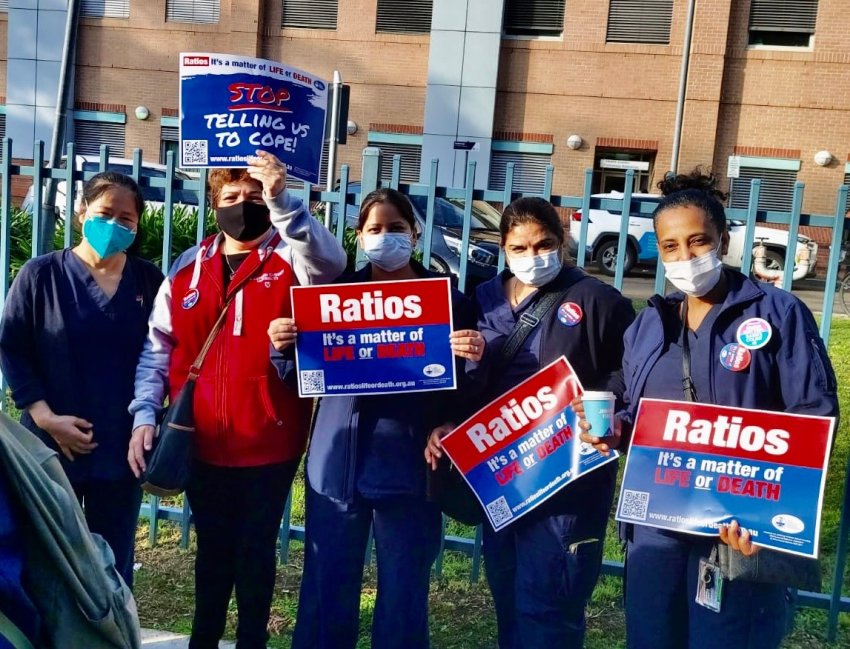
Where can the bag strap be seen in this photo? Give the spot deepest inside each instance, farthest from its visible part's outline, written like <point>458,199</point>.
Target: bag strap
<point>9,631</point>
<point>688,387</point>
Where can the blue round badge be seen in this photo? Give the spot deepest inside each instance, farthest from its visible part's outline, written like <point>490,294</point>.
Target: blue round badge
<point>191,298</point>
<point>754,333</point>
<point>735,357</point>
<point>570,314</point>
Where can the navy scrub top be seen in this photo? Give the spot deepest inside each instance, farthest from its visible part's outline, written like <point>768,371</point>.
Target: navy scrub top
<point>665,378</point>
<point>527,359</point>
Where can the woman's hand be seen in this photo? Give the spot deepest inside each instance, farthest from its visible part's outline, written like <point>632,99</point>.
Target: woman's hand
<point>738,538</point>
<point>602,444</point>
<point>468,344</point>
<point>282,333</point>
<point>141,441</point>
<point>434,448</point>
<point>71,434</point>
<point>266,168</point>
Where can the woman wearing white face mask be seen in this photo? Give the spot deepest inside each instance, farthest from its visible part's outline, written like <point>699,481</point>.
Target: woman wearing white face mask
<point>364,467</point>
<point>543,568</point>
<point>750,345</point>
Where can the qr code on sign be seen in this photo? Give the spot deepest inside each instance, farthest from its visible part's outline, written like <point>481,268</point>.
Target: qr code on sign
<point>634,505</point>
<point>499,511</point>
<point>312,381</point>
<point>195,152</point>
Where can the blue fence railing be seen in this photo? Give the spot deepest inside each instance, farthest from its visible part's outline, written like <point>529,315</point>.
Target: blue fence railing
<point>342,199</point>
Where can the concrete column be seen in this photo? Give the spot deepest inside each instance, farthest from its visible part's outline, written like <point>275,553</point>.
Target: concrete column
<point>463,66</point>
<point>35,37</point>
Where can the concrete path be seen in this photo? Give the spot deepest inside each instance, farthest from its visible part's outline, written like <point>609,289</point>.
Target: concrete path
<point>165,640</point>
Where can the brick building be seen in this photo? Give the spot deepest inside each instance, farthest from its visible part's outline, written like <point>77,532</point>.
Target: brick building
<point>768,85</point>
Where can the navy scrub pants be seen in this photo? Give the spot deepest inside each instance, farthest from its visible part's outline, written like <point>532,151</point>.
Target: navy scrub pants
<point>661,613</point>
<point>407,540</point>
<point>111,508</point>
<point>542,570</point>
<point>237,513</point>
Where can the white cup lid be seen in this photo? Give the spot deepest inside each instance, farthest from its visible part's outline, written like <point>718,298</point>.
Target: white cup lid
<point>596,395</point>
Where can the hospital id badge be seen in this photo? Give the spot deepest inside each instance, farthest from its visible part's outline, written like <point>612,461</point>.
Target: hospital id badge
<point>709,585</point>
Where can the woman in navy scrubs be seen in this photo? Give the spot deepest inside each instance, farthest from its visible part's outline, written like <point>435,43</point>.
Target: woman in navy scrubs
<point>364,468</point>
<point>543,568</point>
<point>790,373</point>
<point>73,326</point>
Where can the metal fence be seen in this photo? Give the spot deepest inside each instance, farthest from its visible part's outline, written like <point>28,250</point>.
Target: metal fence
<point>155,511</point>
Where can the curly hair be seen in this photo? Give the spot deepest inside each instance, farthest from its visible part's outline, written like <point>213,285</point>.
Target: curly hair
<point>697,188</point>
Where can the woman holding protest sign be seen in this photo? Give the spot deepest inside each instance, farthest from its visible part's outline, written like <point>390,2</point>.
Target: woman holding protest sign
<point>72,329</point>
<point>250,427</point>
<point>542,569</point>
<point>364,469</point>
<point>689,346</point>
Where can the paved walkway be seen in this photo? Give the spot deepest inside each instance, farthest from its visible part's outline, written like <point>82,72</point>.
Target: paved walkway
<point>165,640</point>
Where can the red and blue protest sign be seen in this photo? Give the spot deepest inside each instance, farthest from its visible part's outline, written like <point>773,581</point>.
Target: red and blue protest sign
<point>693,467</point>
<point>523,447</point>
<point>230,106</point>
<point>374,337</point>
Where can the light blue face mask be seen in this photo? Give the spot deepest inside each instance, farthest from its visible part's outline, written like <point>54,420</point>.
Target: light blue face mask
<point>106,236</point>
<point>389,251</point>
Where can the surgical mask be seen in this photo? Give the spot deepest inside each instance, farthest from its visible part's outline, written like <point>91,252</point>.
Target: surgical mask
<point>538,270</point>
<point>695,276</point>
<point>106,236</point>
<point>389,252</point>
<point>244,221</point>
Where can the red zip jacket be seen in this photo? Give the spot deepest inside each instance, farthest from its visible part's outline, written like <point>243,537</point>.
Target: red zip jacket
<point>244,414</point>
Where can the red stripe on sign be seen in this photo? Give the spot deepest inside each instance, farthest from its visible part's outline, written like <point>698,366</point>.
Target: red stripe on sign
<point>516,413</point>
<point>799,440</point>
<point>365,305</point>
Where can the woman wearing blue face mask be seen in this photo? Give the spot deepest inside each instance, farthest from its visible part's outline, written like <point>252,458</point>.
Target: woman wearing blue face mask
<point>72,329</point>
<point>787,370</point>
<point>543,568</point>
<point>364,467</point>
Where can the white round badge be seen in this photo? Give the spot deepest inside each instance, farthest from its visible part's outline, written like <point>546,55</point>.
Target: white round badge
<point>754,333</point>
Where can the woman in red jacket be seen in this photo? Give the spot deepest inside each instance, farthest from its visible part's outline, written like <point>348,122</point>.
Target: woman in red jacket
<point>250,427</point>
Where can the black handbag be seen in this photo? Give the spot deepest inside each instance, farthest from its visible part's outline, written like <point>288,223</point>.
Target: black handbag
<point>765,566</point>
<point>170,458</point>
<point>446,486</point>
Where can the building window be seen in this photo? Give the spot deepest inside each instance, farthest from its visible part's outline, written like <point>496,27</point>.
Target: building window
<point>404,16</point>
<point>169,140</point>
<point>534,17</point>
<point>639,21</point>
<point>309,14</point>
<point>404,146</point>
<point>4,5</point>
<point>90,135</point>
<point>783,23</point>
<point>105,8</point>
<point>192,11</point>
<point>529,169</point>
<point>610,167</point>
<point>777,183</point>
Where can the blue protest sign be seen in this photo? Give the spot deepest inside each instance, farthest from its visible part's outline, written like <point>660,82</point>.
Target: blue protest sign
<point>230,106</point>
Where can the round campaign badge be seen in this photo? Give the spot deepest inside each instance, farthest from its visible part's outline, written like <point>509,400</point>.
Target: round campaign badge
<point>754,333</point>
<point>735,357</point>
<point>191,298</point>
<point>570,314</point>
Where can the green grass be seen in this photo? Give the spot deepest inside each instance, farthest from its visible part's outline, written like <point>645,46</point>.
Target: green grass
<point>461,612</point>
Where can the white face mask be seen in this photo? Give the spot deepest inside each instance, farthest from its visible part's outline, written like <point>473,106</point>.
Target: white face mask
<point>390,251</point>
<point>538,270</point>
<point>696,276</point>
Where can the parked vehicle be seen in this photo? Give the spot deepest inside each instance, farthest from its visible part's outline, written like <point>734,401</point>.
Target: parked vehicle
<point>603,231</point>
<point>154,196</point>
<point>483,253</point>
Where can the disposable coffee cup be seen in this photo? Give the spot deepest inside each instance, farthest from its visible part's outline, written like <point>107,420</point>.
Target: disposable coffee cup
<point>599,412</point>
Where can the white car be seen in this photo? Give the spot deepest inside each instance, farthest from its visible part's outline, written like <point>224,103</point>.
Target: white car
<point>154,196</point>
<point>603,231</point>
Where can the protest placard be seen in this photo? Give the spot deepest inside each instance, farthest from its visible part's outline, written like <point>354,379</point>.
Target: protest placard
<point>692,467</point>
<point>374,337</point>
<point>230,106</point>
<point>523,447</point>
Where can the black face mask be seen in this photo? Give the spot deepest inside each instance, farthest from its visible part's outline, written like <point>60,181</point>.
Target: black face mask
<point>244,221</point>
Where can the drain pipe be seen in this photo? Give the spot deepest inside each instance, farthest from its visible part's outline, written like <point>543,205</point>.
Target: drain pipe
<point>66,71</point>
<point>802,265</point>
<point>683,87</point>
